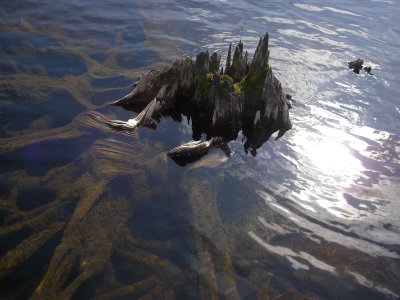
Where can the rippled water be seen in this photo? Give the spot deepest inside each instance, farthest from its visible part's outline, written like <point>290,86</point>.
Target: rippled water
<point>86,212</point>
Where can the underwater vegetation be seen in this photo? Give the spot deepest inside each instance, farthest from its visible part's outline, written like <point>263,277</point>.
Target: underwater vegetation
<point>87,212</point>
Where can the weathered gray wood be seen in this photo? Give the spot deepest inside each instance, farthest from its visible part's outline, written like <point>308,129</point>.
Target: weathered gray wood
<point>238,69</point>
<point>261,56</point>
<point>195,148</point>
<point>245,91</point>
<point>142,119</point>
<point>228,110</point>
<point>274,108</point>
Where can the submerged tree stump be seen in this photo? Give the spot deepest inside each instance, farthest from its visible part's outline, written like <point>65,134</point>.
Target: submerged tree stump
<point>242,94</point>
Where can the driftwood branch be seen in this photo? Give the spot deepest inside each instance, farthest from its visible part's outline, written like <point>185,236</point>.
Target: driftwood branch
<point>142,119</point>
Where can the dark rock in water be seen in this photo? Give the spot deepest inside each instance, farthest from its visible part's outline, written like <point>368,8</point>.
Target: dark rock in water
<point>368,70</point>
<point>356,65</point>
<point>244,95</point>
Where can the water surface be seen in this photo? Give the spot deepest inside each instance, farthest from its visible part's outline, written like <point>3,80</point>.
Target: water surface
<point>87,212</point>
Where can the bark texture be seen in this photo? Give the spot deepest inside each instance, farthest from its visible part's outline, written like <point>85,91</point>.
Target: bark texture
<point>246,92</point>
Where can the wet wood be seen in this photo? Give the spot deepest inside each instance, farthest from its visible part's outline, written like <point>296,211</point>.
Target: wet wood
<point>194,148</point>
<point>142,119</point>
<point>244,91</point>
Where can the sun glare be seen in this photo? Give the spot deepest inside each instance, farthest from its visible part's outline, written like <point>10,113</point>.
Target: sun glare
<point>327,157</point>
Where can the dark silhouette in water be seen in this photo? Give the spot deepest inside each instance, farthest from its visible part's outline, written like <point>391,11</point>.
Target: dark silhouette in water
<point>246,96</point>
<point>357,65</point>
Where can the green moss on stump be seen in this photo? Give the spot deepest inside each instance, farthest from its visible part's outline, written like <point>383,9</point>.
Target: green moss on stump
<point>202,91</point>
<point>224,85</point>
<point>251,85</point>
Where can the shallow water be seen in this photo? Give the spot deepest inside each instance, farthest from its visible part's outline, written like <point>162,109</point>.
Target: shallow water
<point>87,212</point>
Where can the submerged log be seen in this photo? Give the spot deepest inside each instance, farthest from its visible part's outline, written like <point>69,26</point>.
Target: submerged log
<point>247,93</point>
<point>194,148</point>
